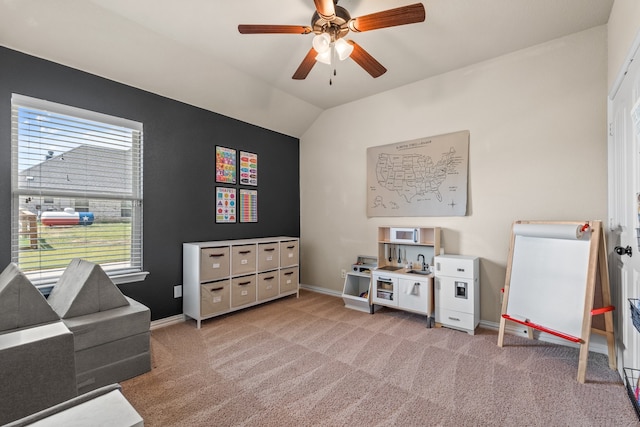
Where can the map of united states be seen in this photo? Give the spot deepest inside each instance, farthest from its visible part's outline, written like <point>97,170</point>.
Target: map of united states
<point>413,175</point>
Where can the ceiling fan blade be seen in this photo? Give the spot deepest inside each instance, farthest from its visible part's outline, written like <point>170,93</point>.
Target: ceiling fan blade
<point>326,9</point>
<point>366,61</point>
<point>273,29</point>
<point>389,18</point>
<point>307,64</point>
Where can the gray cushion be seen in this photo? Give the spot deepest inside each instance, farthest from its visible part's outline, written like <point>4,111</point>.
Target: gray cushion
<point>112,345</point>
<point>21,304</point>
<point>37,368</point>
<point>104,406</point>
<point>119,370</point>
<point>105,354</point>
<point>105,326</point>
<point>84,288</point>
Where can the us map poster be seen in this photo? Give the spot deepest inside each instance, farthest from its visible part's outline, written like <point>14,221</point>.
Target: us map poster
<point>421,177</point>
<point>225,204</point>
<point>225,165</point>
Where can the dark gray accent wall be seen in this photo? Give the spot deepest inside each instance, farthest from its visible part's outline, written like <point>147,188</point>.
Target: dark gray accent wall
<point>179,168</point>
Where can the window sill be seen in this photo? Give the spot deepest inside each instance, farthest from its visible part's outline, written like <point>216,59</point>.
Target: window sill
<point>139,276</point>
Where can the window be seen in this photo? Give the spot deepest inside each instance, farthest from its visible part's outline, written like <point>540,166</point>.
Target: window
<point>76,190</point>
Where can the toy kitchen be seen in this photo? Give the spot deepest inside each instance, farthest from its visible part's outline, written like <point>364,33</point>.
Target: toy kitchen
<point>405,278</point>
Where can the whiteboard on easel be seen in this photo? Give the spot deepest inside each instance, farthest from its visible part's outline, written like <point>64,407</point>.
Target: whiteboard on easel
<point>549,271</point>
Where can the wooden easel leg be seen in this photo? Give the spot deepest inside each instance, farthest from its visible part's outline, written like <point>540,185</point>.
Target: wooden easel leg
<point>594,249</point>
<point>582,363</point>
<point>606,300</point>
<point>505,290</point>
<point>611,342</point>
<point>530,333</point>
<point>503,322</point>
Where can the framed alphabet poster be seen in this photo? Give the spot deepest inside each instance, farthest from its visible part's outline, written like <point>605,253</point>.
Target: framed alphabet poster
<point>225,165</point>
<point>225,204</point>
<point>248,168</point>
<point>248,205</point>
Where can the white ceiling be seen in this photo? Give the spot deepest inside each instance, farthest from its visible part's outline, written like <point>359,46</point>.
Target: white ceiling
<point>175,47</point>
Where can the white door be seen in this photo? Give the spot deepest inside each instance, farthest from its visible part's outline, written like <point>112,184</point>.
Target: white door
<point>624,212</point>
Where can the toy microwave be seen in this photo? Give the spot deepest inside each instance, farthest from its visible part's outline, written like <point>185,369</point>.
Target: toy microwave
<point>404,235</point>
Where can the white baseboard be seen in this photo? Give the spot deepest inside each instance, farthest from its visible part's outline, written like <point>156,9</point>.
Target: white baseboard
<point>321,290</point>
<point>166,321</point>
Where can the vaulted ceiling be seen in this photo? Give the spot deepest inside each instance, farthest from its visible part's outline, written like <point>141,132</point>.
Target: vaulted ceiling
<point>191,50</point>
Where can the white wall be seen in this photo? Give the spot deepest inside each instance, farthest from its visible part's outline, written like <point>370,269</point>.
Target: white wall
<point>538,150</point>
<point>622,29</point>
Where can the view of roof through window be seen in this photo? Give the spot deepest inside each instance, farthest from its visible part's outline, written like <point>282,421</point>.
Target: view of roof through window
<point>77,191</point>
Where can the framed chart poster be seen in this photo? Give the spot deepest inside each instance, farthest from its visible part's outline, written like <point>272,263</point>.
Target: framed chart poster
<point>248,168</point>
<point>248,205</point>
<point>225,204</point>
<point>225,165</point>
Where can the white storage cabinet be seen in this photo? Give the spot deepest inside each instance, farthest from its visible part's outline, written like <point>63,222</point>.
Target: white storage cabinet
<point>457,292</point>
<point>356,292</point>
<point>219,277</point>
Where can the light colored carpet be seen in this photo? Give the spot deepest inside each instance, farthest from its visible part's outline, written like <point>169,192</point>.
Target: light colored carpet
<point>310,361</point>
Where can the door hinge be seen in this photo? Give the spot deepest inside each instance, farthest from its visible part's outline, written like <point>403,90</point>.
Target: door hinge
<point>610,129</point>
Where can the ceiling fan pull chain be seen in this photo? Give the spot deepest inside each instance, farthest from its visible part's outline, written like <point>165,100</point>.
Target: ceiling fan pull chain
<point>333,61</point>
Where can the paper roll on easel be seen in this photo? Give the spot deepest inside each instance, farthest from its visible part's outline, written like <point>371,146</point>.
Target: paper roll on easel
<point>553,231</point>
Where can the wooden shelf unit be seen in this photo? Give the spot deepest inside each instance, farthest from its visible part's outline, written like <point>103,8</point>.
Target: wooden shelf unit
<point>429,237</point>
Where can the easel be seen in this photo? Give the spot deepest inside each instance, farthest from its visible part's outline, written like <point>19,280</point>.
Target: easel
<point>597,268</point>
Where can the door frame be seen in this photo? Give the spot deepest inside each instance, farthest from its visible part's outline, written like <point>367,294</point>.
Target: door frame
<point>622,315</point>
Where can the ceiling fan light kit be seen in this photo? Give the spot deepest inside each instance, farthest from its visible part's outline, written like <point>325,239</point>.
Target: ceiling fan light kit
<point>331,23</point>
<point>324,57</point>
<point>343,49</point>
<point>325,48</point>
<point>322,43</point>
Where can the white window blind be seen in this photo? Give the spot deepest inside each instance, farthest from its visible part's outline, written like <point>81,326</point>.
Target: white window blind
<point>76,189</point>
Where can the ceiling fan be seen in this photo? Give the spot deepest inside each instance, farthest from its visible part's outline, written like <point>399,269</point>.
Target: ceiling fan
<point>331,23</point>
